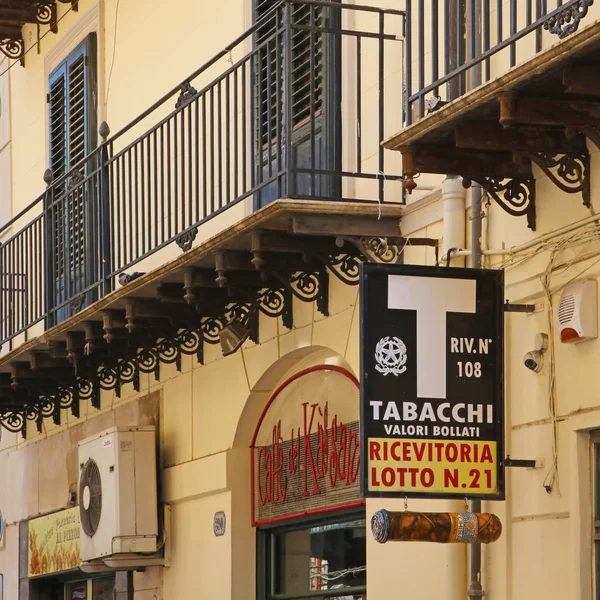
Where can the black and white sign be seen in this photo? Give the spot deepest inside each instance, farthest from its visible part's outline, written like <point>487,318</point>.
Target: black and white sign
<point>432,406</point>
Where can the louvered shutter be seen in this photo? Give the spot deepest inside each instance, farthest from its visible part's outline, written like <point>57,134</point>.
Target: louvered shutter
<point>72,108</point>
<point>72,121</point>
<point>268,77</point>
<point>302,48</point>
<point>57,99</point>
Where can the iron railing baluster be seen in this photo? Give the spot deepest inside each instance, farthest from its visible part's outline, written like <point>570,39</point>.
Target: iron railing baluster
<point>421,41</point>
<point>408,60</point>
<point>359,106</point>
<point>312,100</point>
<point>486,35</point>
<point>380,162</point>
<point>435,43</point>
<point>105,221</point>
<point>513,30</point>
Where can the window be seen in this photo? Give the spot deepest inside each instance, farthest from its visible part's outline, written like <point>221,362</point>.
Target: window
<point>99,587</point>
<point>70,221</point>
<point>596,504</point>
<point>307,65</point>
<point>301,560</point>
<point>314,81</point>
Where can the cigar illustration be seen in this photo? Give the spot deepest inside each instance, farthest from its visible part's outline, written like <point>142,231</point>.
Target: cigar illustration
<point>465,527</point>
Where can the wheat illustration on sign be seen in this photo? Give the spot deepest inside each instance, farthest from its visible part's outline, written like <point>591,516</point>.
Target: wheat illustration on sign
<point>390,354</point>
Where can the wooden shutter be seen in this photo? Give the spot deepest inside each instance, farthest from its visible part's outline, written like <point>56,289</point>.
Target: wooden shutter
<point>302,48</point>
<point>72,121</point>
<point>77,108</point>
<point>72,108</point>
<point>268,77</point>
<point>266,73</point>
<point>57,99</point>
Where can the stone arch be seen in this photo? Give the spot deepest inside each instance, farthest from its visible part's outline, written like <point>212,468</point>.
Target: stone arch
<point>281,370</point>
<point>244,549</point>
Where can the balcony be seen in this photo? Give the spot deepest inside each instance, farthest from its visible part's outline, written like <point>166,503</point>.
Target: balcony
<point>496,88</point>
<point>231,196</point>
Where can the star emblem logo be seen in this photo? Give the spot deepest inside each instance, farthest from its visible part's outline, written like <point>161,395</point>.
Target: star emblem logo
<point>390,355</point>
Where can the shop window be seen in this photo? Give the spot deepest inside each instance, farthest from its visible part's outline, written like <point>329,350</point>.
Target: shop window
<point>95,588</point>
<point>100,588</point>
<point>326,556</point>
<point>76,591</point>
<point>596,462</point>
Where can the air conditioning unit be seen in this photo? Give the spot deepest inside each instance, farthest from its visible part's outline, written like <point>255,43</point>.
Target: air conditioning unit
<point>117,493</point>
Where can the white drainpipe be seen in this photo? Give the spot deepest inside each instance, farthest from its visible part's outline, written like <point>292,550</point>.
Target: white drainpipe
<point>455,236</point>
<point>453,206</point>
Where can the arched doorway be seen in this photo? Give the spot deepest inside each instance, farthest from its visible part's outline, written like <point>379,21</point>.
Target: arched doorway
<point>305,491</point>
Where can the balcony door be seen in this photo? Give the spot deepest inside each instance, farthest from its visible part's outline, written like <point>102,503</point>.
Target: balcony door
<point>71,219</point>
<point>307,68</point>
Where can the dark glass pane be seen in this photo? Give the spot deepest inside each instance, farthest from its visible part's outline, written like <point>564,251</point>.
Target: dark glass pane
<point>103,589</point>
<point>597,574</point>
<point>321,558</point>
<point>597,482</point>
<point>77,590</point>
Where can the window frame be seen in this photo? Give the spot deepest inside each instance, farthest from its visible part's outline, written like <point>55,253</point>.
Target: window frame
<point>72,265</point>
<point>595,501</point>
<point>266,562</point>
<point>321,137</point>
<point>88,48</point>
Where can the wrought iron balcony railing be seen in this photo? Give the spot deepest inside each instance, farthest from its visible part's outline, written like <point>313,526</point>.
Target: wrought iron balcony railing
<point>294,107</point>
<point>454,45</point>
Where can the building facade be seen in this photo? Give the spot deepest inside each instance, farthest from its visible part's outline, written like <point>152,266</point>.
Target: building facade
<point>186,193</point>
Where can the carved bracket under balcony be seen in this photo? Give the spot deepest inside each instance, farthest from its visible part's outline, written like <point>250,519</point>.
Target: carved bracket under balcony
<point>13,15</point>
<point>572,116</point>
<point>146,332</point>
<point>45,14</point>
<point>570,173</point>
<point>13,46</point>
<point>515,196</point>
<point>563,156</point>
<point>567,20</point>
<point>510,183</point>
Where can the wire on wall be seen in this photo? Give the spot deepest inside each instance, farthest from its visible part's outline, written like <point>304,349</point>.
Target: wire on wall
<point>112,63</point>
<point>578,245</point>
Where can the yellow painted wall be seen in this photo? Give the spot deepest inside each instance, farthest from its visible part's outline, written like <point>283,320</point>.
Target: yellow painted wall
<point>207,412</point>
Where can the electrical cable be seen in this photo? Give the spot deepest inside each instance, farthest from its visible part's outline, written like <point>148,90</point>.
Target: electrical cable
<point>112,64</point>
<point>577,243</point>
<point>565,252</point>
<point>26,52</point>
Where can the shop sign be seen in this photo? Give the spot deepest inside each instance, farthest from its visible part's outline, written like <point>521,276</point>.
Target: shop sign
<point>54,542</point>
<point>306,449</point>
<point>432,399</point>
